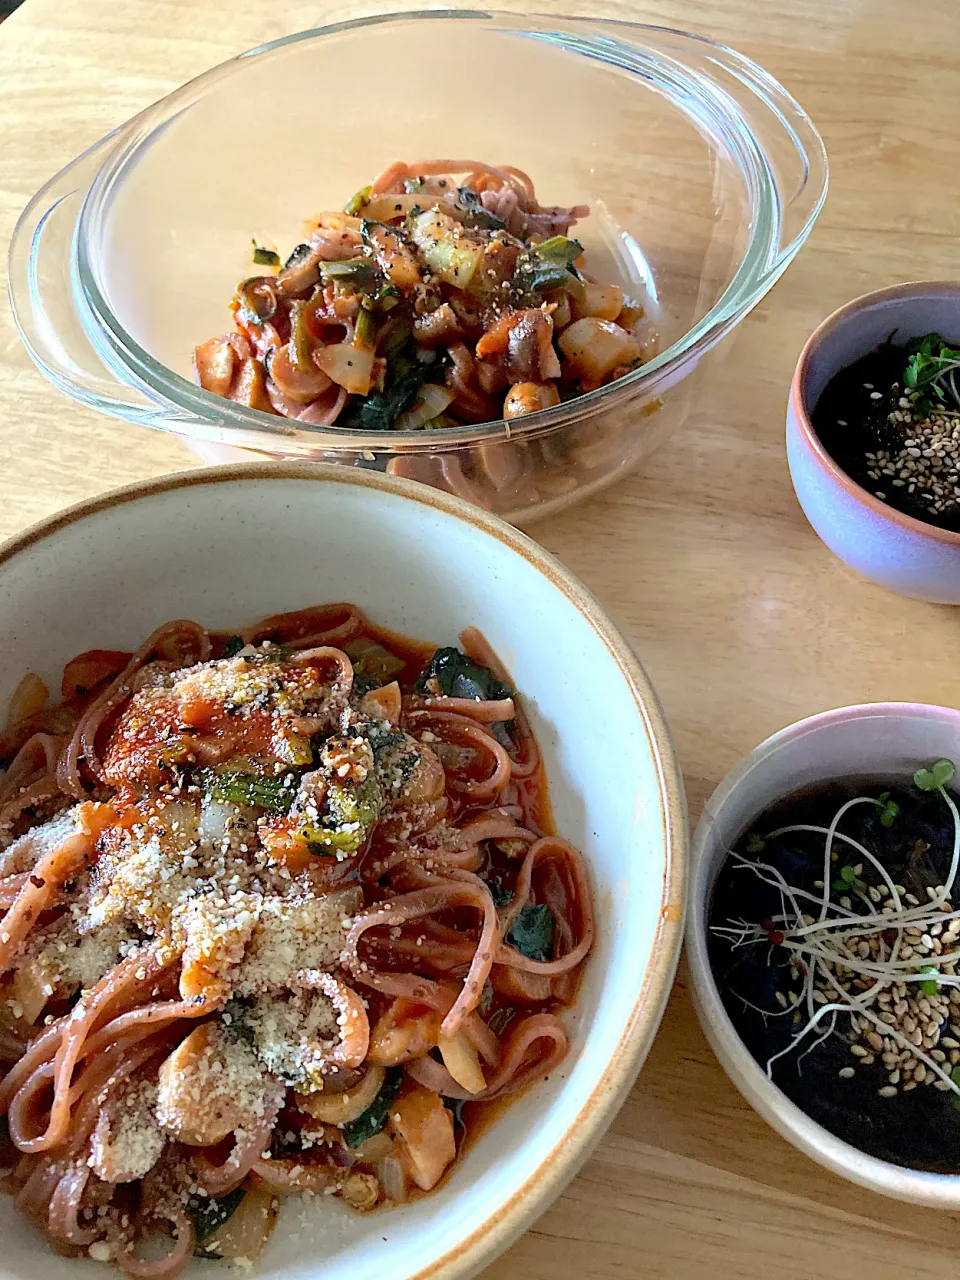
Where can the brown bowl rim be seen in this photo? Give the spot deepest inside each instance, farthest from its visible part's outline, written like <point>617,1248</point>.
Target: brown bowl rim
<point>549,1176</point>
<point>822,334</point>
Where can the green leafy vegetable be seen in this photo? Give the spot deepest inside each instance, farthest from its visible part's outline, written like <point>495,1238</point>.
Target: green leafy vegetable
<point>370,1122</point>
<point>550,266</point>
<point>499,1019</point>
<point>558,249</point>
<point>357,201</point>
<point>233,646</point>
<point>498,891</point>
<point>460,677</point>
<point>475,214</point>
<point>266,792</point>
<point>936,777</point>
<point>380,735</point>
<point>405,376</point>
<point>265,257</point>
<point>209,1213</point>
<point>931,369</point>
<point>533,931</point>
<point>889,809</point>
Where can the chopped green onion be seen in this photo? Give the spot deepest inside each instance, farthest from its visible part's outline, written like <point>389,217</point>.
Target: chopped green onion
<point>299,253</point>
<point>357,201</point>
<point>365,331</point>
<point>257,303</point>
<point>265,257</point>
<point>350,269</point>
<point>301,347</point>
<point>356,804</point>
<point>274,793</point>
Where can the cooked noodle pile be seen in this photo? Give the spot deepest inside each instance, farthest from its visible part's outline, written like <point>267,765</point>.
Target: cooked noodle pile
<point>281,910</point>
<point>444,294</point>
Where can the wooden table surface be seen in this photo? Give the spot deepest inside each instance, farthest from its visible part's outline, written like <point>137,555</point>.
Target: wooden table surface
<point>743,619</point>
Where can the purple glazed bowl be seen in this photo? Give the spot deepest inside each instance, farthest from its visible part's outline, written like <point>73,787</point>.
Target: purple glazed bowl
<point>893,549</point>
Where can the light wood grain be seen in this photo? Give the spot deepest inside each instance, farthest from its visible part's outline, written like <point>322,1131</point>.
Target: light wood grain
<point>744,621</point>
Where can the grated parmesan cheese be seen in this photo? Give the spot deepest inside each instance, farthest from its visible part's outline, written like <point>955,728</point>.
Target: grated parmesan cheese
<point>296,933</point>
<point>127,1140</point>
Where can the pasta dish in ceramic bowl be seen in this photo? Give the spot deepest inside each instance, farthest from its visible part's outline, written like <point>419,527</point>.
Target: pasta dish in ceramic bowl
<point>288,916</point>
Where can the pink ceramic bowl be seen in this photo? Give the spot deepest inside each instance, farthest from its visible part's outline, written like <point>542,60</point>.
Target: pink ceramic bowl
<point>882,738</point>
<point>895,550</point>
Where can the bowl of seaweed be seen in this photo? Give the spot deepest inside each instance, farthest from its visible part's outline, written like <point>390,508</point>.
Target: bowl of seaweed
<point>824,941</point>
<point>873,437</point>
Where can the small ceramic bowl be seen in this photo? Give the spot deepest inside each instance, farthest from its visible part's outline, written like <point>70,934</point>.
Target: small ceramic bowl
<point>878,738</point>
<point>895,550</point>
<point>230,545</point>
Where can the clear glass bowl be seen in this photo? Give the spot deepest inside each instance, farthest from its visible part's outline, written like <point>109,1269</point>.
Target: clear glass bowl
<point>703,175</point>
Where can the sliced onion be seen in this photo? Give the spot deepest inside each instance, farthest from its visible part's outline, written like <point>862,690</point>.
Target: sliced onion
<point>349,367</point>
<point>28,698</point>
<point>393,1179</point>
<point>248,1228</point>
<point>460,1059</point>
<point>383,208</point>
<point>431,402</point>
<point>340,1108</point>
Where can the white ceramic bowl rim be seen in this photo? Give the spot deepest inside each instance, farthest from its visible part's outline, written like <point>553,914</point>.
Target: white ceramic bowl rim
<point>548,1178</point>
<point>936,1189</point>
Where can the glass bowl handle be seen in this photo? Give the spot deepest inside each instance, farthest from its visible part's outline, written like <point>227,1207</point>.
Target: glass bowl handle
<point>787,136</point>
<point>45,296</point>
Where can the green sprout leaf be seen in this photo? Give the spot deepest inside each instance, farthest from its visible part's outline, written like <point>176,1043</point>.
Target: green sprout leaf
<point>929,986</point>
<point>849,882</point>
<point>756,843</point>
<point>936,777</point>
<point>931,369</point>
<point>889,809</point>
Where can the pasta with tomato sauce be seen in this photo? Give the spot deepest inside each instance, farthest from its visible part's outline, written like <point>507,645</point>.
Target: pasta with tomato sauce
<point>282,911</point>
<point>443,294</point>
